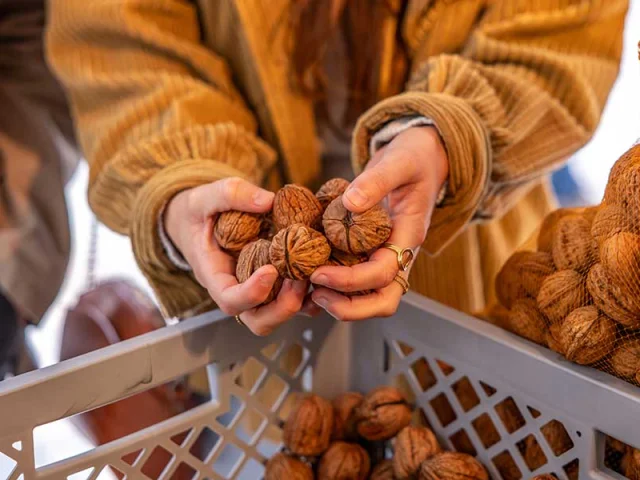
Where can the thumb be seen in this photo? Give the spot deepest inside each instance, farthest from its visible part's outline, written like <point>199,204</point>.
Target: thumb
<point>229,194</point>
<point>375,183</point>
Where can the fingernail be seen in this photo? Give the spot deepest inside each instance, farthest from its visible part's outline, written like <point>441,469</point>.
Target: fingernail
<point>321,301</point>
<point>261,198</point>
<point>320,279</point>
<point>268,278</point>
<point>356,196</point>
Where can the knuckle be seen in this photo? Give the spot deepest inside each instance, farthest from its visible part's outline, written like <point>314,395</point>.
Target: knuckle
<point>232,187</point>
<point>388,310</point>
<point>379,180</point>
<point>388,274</point>
<point>261,330</point>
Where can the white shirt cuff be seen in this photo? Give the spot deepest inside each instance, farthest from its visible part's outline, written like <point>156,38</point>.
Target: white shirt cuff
<point>169,248</point>
<point>386,134</point>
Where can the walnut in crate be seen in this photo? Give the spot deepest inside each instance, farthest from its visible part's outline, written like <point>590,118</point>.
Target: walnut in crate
<point>344,407</point>
<point>296,204</point>
<point>557,438</point>
<point>587,335</point>
<point>522,275</point>
<point>233,230</point>
<point>609,299</point>
<point>612,219</point>
<point>553,339</point>
<point>356,233</point>
<point>413,445</point>
<point>526,320</point>
<point>452,466</point>
<point>383,471</point>
<point>561,293</point>
<point>382,414</point>
<point>285,466</point>
<point>308,428</point>
<point>545,476</point>
<point>631,464</point>
<point>548,228</point>
<point>297,251</point>
<point>625,360</point>
<point>573,246</point>
<point>252,257</point>
<point>331,190</point>
<point>620,256</point>
<point>344,461</point>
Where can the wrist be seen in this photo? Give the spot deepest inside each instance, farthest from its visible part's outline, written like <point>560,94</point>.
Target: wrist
<point>437,160</point>
<point>173,218</point>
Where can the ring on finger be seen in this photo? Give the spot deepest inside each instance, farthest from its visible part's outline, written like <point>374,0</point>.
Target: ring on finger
<point>239,320</point>
<point>404,256</point>
<point>400,280</point>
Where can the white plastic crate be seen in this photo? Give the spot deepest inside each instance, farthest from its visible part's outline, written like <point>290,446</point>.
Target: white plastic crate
<point>499,366</point>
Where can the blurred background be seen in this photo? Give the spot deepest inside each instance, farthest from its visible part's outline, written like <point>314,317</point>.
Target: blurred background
<point>581,182</point>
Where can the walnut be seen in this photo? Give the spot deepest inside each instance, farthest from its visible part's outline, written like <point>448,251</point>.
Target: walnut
<point>587,335</point>
<point>252,257</point>
<point>553,339</point>
<point>344,407</point>
<point>625,361</point>
<point>356,232</point>
<point>413,445</point>
<point>620,256</point>
<point>307,431</point>
<point>383,471</point>
<point>344,461</point>
<point>452,466</point>
<point>621,180</point>
<point>296,204</point>
<point>548,228</point>
<point>561,293</point>
<point>522,275</point>
<point>285,466</point>
<point>233,230</point>
<point>544,476</point>
<point>589,213</point>
<point>382,414</point>
<point>331,190</point>
<point>573,246</point>
<point>611,219</point>
<point>526,320</point>
<point>631,464</point>
<point>339,258</point>
<point>298,250</point>
<point>609,299</point>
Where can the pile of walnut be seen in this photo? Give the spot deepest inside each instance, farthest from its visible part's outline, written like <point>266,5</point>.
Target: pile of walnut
<point>302,232</point>
<point>579,293</point>
<point>347,440</point>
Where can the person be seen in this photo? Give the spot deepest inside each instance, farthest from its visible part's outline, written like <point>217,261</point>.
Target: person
<point>453,112</point>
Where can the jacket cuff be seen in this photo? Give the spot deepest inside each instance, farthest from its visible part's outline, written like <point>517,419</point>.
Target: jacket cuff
<point>178,292</point>
<point>468,150</point>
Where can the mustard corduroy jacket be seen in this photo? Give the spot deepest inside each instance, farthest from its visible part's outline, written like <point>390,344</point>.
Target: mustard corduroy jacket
<point>170,94</point>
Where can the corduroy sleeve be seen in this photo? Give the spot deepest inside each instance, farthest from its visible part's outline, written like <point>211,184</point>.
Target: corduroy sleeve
<point>156,112</point>
<point>525,91</point>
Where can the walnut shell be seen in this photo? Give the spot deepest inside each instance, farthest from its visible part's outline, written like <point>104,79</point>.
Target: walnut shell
<point>621,182</point>
<point>344,461</point>
<point>356,232</point>
<point>553,339</point>
<point>296,204</point>
<point>522,275</point>
<point>625,360</point>
<point>285,466</point>
<point>298,250</point>
<point>383,471</point>
<point>561,293</point>
<point>252,257</point>
<point>526,320</point>
<point>339,258</point>
<point>620,256</point>
<point>452,466</point>
<point>382,414</point>
<point>589,213</point>
<point>413,445</point>
<point>609,299</point>
<point>587,335</point>
<point>344,407</point>
<point>308,428</point>
<point>544,476</point>
<point>573,246</point>
<point>611,219</point>
<point>331,190</point>
<point>233,230</point>
<point>631,464</point>
<point>548,228</point>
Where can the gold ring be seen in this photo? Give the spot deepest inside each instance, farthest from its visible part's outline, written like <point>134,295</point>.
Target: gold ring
<point>402,282</point>
<point>239,320</point>
<point>404,255</point>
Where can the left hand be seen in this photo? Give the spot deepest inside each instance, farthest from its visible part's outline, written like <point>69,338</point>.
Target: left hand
<point>409,172</point>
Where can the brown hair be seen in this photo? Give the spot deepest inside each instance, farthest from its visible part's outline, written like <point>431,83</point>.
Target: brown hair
<point>360,22</point>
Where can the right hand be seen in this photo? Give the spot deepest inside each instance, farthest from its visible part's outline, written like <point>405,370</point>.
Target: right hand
<point>189,221</point>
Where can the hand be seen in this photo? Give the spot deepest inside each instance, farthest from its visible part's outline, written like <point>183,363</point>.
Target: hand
<point>409,173</point>
<point>189,221</point>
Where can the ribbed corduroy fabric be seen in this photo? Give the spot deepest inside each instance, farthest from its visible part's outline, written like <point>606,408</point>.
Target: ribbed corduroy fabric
<point>164,96</point>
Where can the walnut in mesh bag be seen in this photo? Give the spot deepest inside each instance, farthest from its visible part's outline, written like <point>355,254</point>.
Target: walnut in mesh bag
<point>522,276</point>
<point>587,335</point>
<point>573,247</point>
<point>526,320</point>
<point>561,293</point>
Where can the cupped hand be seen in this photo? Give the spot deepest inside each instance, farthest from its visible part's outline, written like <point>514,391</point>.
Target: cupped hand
<point>408,173</point>
<point>189,221</point>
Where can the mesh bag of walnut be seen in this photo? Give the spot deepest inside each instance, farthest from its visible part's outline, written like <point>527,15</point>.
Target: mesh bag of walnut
<point>577,289</point>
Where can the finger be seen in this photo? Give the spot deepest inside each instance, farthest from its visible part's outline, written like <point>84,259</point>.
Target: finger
<point>229,194</point>
<point>377,272</point>
<point>264,320</point>
<point>309,308</point>
<point>376,182</point>
<point>381,303</point>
